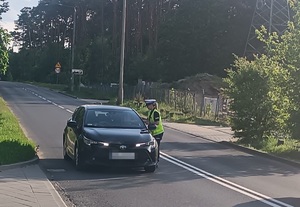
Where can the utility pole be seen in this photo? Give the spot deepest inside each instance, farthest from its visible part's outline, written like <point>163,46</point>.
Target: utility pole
<point>121,79</point>
<point>73,49</point>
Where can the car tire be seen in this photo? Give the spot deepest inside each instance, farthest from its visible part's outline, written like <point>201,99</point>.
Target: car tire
<point>65,154</point>
<point>150,169</point>
<point>78,161</point>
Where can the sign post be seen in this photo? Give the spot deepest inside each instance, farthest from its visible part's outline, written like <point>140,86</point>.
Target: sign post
<point>57,70</point>
<point>78,72</point>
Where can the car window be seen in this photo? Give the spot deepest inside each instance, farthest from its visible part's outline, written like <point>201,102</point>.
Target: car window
<point>79,116</point>
<point>75,113</point>
<point>113,119</point>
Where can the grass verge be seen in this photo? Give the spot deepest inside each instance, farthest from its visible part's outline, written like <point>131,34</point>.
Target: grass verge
<point>14,145</point>
<point>287,148</point>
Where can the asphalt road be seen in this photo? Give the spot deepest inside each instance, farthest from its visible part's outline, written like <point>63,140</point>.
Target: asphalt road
<point>193,172</point>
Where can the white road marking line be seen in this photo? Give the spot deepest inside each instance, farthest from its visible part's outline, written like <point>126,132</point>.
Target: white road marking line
<point>258,196</point>
<point>55,104</point>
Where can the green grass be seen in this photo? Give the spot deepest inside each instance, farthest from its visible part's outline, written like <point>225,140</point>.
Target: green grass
<point>84,93</point>
<point>14,145</point>
<point>59,87</point>
<point>289,149</point>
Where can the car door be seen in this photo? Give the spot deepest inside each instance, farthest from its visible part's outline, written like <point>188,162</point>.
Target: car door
<point>74,132</point>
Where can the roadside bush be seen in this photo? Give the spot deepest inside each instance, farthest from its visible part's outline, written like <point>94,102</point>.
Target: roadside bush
<point>260,103</point>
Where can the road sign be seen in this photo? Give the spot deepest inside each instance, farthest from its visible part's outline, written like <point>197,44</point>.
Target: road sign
<point>57,65</point>
<point>57,70</point>
<point>77,71</point>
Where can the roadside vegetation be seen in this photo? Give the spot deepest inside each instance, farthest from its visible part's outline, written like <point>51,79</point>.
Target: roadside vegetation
<point>265,93</point>
<point>246,131</point>
<point>168,112</point>
<point>14,145</point>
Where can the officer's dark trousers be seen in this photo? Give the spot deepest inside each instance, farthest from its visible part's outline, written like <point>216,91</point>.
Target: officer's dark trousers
<point>158,138</point>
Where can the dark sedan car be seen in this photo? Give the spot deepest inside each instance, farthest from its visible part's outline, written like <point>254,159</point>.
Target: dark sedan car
<point>109,136</point>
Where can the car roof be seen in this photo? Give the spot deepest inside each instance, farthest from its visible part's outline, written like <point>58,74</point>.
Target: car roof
<point>99,106</point>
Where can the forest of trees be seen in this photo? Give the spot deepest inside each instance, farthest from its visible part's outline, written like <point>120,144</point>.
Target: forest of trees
<point>166,40</point>
<point>4,40</point>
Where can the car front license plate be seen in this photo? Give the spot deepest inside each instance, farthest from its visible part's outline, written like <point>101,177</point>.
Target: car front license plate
<point>122,156</point>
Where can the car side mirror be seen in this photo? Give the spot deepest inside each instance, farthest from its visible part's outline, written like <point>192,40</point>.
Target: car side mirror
<point>72,123</point>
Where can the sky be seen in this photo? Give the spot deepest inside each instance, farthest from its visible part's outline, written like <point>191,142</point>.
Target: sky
<point>15,6</point>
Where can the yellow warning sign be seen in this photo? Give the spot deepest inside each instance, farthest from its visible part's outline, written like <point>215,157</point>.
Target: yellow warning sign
<point>57,65</point>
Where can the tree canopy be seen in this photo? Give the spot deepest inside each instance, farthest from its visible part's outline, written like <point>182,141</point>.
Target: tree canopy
<point>4,40</point>
<point>3,7</point>
<point>165,39</point>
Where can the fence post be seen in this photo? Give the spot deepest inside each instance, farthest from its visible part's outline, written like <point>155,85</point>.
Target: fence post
<point>194,102</point>
<point>202,103</point>
<point>217,107</point>
<point>184,103</point>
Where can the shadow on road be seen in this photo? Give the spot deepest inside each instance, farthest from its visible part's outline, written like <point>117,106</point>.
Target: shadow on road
<point>224,161</point>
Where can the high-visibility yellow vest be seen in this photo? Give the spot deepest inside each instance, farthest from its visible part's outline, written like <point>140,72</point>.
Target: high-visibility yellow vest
<point>159,128</point>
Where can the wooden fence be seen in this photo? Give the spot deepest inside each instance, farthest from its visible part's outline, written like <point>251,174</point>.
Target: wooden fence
<point>187,102</point>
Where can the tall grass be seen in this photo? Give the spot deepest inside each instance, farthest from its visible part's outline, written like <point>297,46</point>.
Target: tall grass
<point>288,149</point>
<point>14,145</point>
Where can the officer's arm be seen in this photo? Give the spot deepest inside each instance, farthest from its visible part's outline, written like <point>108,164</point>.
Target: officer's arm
<point>156,117</point>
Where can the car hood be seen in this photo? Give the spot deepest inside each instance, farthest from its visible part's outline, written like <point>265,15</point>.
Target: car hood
<point>124,136</point>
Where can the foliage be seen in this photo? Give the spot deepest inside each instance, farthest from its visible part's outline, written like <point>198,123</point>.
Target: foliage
<point>138,100</point>
<point>196,34</point>
<point>165,40</point>
<point>265,91</point>
<point>285,50</point>
<point>4,58</point>
<point>260,102</point>
<point>14,145</point>
<point>168,113</point>
<point>3,7</point>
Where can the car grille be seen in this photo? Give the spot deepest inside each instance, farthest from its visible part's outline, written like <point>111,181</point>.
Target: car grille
<point>102,155</point>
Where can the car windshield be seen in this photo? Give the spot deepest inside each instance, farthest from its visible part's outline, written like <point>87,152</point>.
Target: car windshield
<point>112,118</point>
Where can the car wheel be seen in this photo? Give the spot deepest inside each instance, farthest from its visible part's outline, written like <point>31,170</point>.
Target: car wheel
<point>65,154</point>
<point>150,169</point>
<point>79,163</point>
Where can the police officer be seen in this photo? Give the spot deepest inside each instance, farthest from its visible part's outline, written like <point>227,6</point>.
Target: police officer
<point>154,119</point>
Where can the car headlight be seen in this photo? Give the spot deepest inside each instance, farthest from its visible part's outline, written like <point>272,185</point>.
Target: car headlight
<point>151,144</point>
<point>90,142</point>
